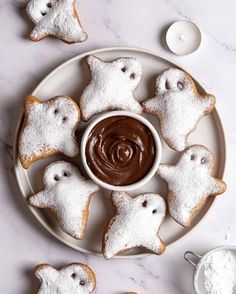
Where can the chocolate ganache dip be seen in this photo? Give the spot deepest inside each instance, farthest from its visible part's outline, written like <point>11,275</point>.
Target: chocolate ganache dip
<point>120,150</point>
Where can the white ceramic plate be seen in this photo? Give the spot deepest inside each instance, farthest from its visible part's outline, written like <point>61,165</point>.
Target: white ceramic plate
<point>70,79</point>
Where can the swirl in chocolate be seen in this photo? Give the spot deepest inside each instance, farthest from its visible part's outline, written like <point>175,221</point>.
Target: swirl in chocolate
<point>120,150</point>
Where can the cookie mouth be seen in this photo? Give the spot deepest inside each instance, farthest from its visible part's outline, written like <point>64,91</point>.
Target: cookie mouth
<point>120,150</point>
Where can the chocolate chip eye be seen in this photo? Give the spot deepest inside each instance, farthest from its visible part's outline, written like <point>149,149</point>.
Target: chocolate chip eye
<point>73,275</point>
<point>123,69</point>
<point>66,174</point>
<point>144,204</point>
<point>49,5</point>
<point>180,85</point>
<point>192,157</point>
<point>154,211</point>
<point>132,76</point>
<point>56,178</point>
<point>167,85</point>
<point>203,160</point>
<point>82,283</point>
<point>43,13</point>
<point>55,111</point>
<point>64,119</point>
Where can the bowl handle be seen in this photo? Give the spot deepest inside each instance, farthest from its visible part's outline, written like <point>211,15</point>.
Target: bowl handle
<point>188,257</point>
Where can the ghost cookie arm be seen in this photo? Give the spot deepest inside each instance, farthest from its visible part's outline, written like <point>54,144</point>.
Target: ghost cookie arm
<point>24,144</point>
<point>217,186</point>
<point>152,105</point>
<point>166,172</point>
<point>210,103</point>
<point>40,200</point>
<point>132,104</point>
<point>120,200</point>
<point>95,64</point>
<point>109,246</point>
<point>43,271</point>
<point>156,245</point>
<point>206,103</point>
<point>46,275</point>
<point>29,101</point>
<point>39,33</point>
<point>70,147</point>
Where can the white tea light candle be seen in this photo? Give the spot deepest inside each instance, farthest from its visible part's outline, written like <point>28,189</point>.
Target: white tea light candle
<point>183,37</point>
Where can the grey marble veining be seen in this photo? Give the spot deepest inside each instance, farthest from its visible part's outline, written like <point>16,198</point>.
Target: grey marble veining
<point>111,23</point>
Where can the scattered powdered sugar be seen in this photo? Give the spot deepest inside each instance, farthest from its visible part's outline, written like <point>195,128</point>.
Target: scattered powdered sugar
<point>228,234</point>
<point>57,18</point>
<point>72,279</point>
<point>49,128</point>
<point>178,106</point>
<point>112,86</point>
<point>190,182</point>
<point>220,272</point>
<point>136,224</point>
<point>67,194</point>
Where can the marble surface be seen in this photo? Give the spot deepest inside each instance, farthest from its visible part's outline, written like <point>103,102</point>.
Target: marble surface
<point>24,243</point>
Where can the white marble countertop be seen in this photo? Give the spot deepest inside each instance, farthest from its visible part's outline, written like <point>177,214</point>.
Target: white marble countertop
<point>24,243</point>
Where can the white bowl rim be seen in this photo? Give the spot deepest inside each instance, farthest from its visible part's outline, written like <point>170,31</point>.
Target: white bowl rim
<point>156,138</point>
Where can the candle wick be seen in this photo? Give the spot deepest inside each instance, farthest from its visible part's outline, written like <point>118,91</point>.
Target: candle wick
<point>182,37</point>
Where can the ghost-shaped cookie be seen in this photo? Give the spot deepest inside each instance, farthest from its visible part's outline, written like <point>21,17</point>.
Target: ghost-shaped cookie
<point>178,106</point>
<point>57,18</point>
<point>67,194</point>
<point>111,87</point>
<point>48,129</point>
<point>75,278</point>
<point>190,183</point>
<point>136,224</point>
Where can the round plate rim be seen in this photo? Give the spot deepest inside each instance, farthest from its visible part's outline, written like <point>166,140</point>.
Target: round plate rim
<point>71,60</point>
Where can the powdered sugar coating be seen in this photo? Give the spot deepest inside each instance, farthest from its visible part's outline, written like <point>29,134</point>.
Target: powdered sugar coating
<point>136,224</point>
<point>178,106</point>
<point>48,129</point>
<point>112,86</point>
<point>67,194</point>
<point>75,278</point>
<point>220,272</point>
<point>190,183</point>
<point>56,18</point>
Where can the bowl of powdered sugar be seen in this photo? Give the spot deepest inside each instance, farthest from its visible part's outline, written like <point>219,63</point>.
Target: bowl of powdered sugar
<point>215,272</point>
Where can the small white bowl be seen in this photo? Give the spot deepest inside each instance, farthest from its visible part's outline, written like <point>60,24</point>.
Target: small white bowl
<point>198,279</point>
<point>157,159</point>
